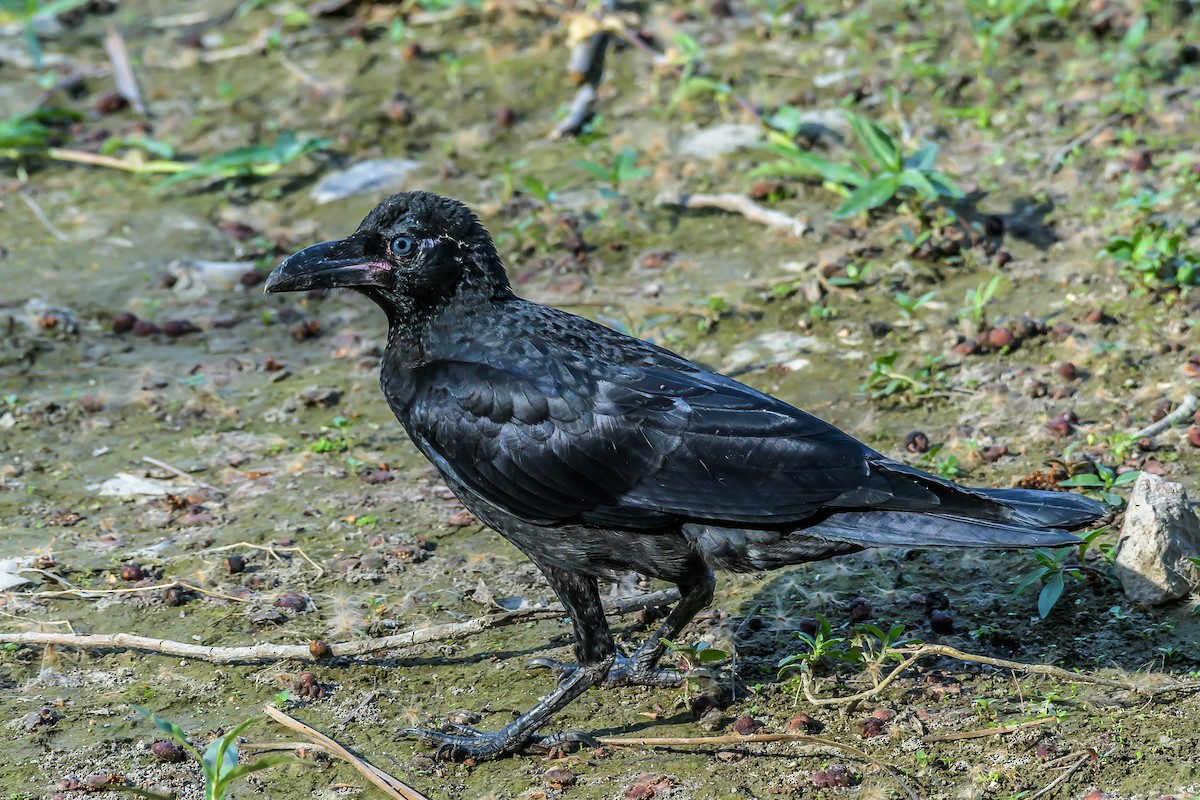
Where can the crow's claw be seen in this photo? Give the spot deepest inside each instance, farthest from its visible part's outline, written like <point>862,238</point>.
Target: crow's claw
<point>626,671</point>
<point>460,742</point>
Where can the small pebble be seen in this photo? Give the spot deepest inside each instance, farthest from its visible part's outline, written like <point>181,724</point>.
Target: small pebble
<point>235,563</point>
<point>1066,370</point>
<point>132,572</point>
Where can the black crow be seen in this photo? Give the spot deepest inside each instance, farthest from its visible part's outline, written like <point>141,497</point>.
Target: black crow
<point>596,453</point>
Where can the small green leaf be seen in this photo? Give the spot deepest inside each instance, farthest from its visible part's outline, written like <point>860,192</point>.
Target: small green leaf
<point>1050,594</point>
<point>1083,479</point>
<point>1127,477</point>
<point>1031,579</point>
<point>870,195</point>
<point>879,143</point>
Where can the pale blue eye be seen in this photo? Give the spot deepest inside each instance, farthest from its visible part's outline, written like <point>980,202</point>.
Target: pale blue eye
<point>403,245</point>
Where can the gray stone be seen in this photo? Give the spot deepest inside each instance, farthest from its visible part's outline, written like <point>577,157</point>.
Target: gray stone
<point>377,175</point>
<point>1160,533</point>
<point>720,140</point>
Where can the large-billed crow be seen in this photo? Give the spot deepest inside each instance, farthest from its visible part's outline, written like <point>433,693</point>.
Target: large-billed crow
<point>596,453</point>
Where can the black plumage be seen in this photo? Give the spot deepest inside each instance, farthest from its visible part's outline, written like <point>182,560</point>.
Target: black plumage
<point>596,453</point>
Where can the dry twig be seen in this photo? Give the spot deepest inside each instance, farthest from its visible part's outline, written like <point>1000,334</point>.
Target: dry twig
<point>916,653</point>
<point>393,787</point>
<point>1187,407</point>
<point>999,730</point>
<point>692,741</point>
<point>738,204</point>
<point>182,474</point>
<point>296,652</point>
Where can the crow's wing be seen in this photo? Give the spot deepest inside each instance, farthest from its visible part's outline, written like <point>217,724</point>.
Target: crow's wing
<point>644,445</point>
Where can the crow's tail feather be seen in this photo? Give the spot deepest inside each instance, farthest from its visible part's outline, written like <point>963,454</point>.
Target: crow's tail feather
<point>1048,509</point>
<point>905,529</point>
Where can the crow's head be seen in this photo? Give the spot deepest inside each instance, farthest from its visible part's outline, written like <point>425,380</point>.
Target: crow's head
<point>414,252</point>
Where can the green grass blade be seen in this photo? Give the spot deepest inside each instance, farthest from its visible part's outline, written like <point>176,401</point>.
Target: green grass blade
<point>870,195</point>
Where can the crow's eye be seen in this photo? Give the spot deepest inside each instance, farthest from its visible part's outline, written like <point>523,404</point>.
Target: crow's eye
<point>403,245</point>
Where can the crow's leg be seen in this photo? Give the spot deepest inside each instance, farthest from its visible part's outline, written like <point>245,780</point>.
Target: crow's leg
<point>641,668</point>
<point>595,650</point>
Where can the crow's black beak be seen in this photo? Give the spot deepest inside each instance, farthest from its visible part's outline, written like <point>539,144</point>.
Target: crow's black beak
<point>344,263</point>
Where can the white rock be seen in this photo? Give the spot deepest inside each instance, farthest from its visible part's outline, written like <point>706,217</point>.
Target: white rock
<point>720,140</point>
<point>10,572</point>
<point>377,175</point>
<point>1160,533</point>
<point>126,485</point>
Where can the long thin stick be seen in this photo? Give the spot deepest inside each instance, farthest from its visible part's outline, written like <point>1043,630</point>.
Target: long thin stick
<point>181,473</point>
<point>1187,407</point>
<point>693,741</point>
<point>1083,759</point>
<point>739,204</point>
<point>295,652</point>
<point>1037,669</point>
<point>983,732</point>
<point>393,787</point>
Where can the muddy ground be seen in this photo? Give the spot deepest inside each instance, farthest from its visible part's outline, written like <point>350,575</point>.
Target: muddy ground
<point>1068,125</point>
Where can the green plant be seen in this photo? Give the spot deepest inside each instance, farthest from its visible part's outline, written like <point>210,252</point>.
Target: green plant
<point>28,12</point>
<point>337,440</point>
<point>692,661</point>
<point>909,305</point>
<point>887,380</point>
<point>977,299</point>
<point>692,84</point>
<point>621,169</point>
<point>1102,483</point>
<point>883,173</point>
<point>856,275</point>
<point>256,160</point>
<point>219,760</point>
<point>1154,258</point>
<point>1055,570</point>
<point>944,465</point>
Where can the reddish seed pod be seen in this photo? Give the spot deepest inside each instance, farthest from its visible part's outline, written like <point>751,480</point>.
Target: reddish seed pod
<point>1066,370</point>
<point>860,610</point>
<point>746,726</point>
<point>703,704</point>
<point>505,117</point>
<point>235,563</point>
<point>1193,436</point>
<point>319,649</point>
<point>123,322</point>
<point>168,751</point>
<point>132,572</point>
<point>916,442</point>
<point>941,623</point>
<point>144,328</point>
<point>1000,338</point>
<point>803,723</point>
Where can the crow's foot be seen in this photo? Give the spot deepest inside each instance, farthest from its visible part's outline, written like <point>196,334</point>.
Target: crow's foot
<point>626,671</point>
<point>460,742</point>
